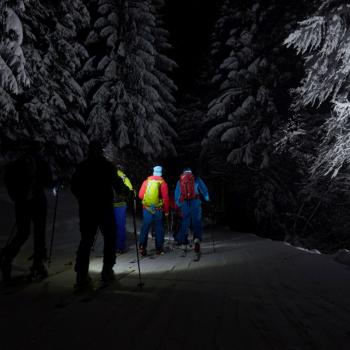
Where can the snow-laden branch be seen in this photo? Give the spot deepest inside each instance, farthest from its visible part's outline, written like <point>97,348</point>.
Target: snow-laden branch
<point>324,43</point>
<point>13,75</point>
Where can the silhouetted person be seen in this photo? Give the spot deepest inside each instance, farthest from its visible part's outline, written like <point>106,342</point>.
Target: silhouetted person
<point>94,183</point>
<point>26,179</point>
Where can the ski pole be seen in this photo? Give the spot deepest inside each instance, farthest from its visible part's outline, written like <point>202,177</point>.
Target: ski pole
<point>212,226</point>
<point>168,226</point>
<point>53,228</point>
<point>137,250</point>
<point>172,222</point>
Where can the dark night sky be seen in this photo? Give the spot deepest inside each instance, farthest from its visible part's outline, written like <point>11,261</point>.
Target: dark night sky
<point>190,23</point>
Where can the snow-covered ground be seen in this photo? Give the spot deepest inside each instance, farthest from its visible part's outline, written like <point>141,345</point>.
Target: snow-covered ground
<point>245,293</point>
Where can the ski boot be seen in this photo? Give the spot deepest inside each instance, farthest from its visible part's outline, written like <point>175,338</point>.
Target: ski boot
<point>107,275</point>
<point>159,251</point>
<point>83,282</point>
<point>38,273</point>
<point>197,247</point>
<point>143,250</point>
<point>197,250</point>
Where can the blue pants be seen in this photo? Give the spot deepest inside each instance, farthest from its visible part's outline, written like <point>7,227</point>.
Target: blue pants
<point>148,219</point>
<point>191,215</point>
<point>120,221</point>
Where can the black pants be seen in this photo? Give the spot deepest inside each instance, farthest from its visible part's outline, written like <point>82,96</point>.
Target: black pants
<point>28,211</point>
<point>92,218</point>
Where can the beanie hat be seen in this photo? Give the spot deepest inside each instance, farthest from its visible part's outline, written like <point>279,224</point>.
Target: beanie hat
<point>187,170</point>
<point>157,170</point>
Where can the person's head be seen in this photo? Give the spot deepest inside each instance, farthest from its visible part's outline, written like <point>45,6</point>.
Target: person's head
<point>157,170</point>
<point>187,170</point>
<point>95,149</point>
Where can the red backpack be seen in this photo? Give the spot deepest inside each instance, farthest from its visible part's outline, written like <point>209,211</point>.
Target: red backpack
<point>187,187</point>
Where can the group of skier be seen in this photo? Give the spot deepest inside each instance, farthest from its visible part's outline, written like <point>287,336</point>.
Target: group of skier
<point>103,191</point>
<point>186,204</point>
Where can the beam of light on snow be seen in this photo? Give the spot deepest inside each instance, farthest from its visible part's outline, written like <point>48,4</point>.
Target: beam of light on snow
<point>170,261</point>
<point>212,250</point>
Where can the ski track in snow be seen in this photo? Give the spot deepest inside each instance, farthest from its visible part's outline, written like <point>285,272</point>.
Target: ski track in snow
<point>244,293</point>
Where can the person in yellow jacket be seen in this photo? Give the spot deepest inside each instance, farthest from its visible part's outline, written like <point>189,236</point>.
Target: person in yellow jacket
<point>120,207</point>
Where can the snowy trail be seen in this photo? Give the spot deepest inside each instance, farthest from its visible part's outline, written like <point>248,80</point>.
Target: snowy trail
<point>250,293</point>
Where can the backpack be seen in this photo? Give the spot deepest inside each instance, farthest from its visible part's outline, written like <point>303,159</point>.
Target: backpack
<point>152,196</point>
<point>187,187</point>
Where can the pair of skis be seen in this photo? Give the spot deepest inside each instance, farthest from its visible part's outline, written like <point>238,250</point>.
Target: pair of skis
<point>91,291</point>
<point>21,282</point>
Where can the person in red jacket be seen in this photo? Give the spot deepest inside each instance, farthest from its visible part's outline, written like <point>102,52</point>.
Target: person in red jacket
<point>155,201</point>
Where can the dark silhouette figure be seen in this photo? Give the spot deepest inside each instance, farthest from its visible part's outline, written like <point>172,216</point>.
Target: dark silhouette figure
<point>95,184</point>
<point>26,179</point>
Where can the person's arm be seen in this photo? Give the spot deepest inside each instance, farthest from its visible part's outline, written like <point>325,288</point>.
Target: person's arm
<point>125,179</point>
<point>202,188</point>
<point>118,183</point>
<point>143,189</point>
<point>165,196</point>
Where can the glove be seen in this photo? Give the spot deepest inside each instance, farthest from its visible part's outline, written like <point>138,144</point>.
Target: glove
<point>206,197</point>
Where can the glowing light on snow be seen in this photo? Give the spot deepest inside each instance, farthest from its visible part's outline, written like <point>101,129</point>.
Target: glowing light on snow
<point>168,262</point>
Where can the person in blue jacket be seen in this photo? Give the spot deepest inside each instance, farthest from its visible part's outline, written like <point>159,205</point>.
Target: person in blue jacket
<point>188,193</point>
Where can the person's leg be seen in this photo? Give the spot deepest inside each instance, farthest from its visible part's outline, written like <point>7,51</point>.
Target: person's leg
<point>147,222</point>
<point>185,223</point>
<point>177,224</point>
<point>196,215</point>
<point>23,220</point>
<point>88,230</point>
<point>108,228</point>
<point>120,218</point>
<point>39,221</point>
<point>159,231</point>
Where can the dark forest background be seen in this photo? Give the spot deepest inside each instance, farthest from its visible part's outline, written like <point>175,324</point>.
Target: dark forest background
<point>253,95</point>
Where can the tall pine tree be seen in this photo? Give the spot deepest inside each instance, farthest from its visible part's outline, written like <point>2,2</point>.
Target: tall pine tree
<point>130,94</point>
<point>51,111</point>
<point>317,136</point>
<point>323,40</point>
<point>252,78</point>
<point>13,74</point>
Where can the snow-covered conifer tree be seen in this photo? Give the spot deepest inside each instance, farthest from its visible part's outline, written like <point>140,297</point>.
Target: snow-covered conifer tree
<point>251,85</point>
<point>13,74</point>
<point>246,109</point>
<point>323,40</point>
<point>126,78</point>
<point>52,110</point>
